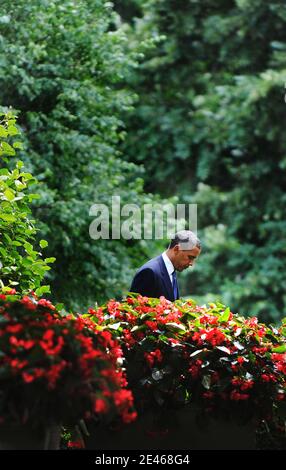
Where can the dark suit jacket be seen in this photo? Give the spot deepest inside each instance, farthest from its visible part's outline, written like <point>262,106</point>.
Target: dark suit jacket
<point>152,280</point>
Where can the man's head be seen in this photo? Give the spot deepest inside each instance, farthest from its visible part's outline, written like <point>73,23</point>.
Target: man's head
<point>184,249</point>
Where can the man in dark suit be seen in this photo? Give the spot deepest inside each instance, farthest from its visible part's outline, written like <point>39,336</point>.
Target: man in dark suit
<point>158,276</point>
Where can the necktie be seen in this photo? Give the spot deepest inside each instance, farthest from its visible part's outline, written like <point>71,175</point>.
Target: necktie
<point>175,285</point>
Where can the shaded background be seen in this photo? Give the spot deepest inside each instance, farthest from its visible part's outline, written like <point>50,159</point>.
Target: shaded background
<point>155,100</point>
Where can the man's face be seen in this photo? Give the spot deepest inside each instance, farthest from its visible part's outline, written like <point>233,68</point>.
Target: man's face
<point>184,258</point>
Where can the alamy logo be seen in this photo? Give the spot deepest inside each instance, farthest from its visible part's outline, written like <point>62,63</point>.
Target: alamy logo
<point>147,222</point>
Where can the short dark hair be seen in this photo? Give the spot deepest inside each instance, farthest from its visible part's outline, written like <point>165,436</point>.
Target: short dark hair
<point>187,238</point>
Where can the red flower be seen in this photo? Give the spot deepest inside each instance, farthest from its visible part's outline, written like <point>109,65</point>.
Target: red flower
<point>149,358</point>
<point>38,372</point>
<point>48,335</point>
<point>12,292</point>
<point>100,406</point>
<point>280,396</point>
<point>91,311</point>
<point>240,360</point>
<point>243,384</point>
<point>261,332</point>
<point>278,357</point>
<point>249,360</point>
<point>46,303</point>
<point>236,396</point>
<point>195,368</point>
<point>281,366</point>
<point>28,378</point>
<point>48,345</point>
<point>128,338</point>
<point>128,417</point>
<point>280,360</point>
<point>199,336</point>
<point>14,328</point>
<point>268,378</point>
<point>173,341</point>
<point>29,303</point>
<point>54,372</point>
<point>158,355</point>
<point>215,337</point>
<point>106,339</point>
<point>152,325</point>
<point>112,307</point>
<point>153,356</point>
<point>252,321</point>
<point>13,340</point>
<point>18,364</point>
<point>84,363</point>
<point>122,397</point>
<point>247,384</point>
<point>210,319</point>
<point>75,444</point>
<point>28,344</point>
<point>143,300</point>
<point>258,350</point>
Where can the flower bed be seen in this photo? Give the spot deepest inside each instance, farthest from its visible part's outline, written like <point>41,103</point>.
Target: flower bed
<point>57,369</point>
<point>177,354</point>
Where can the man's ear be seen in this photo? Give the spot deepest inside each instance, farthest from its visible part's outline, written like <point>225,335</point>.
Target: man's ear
<point>176,248</point>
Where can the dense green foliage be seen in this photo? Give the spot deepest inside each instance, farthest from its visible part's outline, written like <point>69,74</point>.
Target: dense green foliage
<point>210,122</point>
<point>62,64</point>
<point>204,117</point>
<point>21,265</point>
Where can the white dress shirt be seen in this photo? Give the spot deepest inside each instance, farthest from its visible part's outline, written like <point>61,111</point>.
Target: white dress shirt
<point>169,265</point>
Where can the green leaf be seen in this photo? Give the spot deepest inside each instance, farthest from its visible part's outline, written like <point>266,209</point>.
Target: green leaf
<point>43,243</point>
<point>9,194</point>
<point>31,197</point>
<point>114,326</point>
<point>19,185</point>
<point>176,327</point>
<point>225,316</point>
<point>8,217</point>
<point>206,381</point>
<point>42,290</point>
<point>238,345</point>
<point>138,328</point>
<point>223,349</point>
<point>50,260</point>
<point>280,349</point>
<point>18,145</point>
<point>7,149</point>
<point>59,306</point>
<point>19,164</point>
<point>3,132</point>
<point>252,357</point>
<point>12,130</point>
<point>199,353</point>
<point>27,176</point>
<point>29,249</point>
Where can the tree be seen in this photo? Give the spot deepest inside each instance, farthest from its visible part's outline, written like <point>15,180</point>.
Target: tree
<point>210,122</point>
<point>64,65</point>
<point>21,265</point>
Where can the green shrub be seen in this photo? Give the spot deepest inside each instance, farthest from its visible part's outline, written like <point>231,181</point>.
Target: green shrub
<point>21,264</point>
